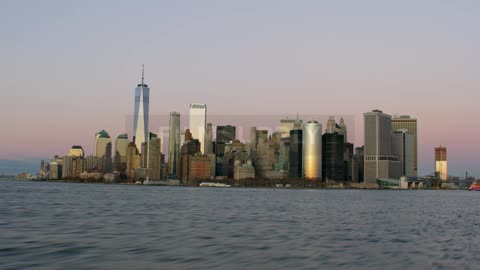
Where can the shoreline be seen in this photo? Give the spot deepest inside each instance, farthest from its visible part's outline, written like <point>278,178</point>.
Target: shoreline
<point>246,187</point>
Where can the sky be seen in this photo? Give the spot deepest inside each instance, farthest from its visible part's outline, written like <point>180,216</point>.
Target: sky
<point>69,68</point>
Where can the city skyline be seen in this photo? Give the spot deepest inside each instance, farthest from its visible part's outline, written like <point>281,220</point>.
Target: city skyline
<point>430,77</point>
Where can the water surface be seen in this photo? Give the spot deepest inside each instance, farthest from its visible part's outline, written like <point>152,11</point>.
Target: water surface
<point>96,226</point>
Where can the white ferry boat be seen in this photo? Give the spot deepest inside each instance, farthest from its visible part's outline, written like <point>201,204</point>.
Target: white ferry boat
<point>211,184</point>
<point>161,182</point>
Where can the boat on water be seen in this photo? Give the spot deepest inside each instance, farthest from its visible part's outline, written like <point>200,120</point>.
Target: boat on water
<point>161,182</point>
<point>475,187</point>
<point>211,184</point>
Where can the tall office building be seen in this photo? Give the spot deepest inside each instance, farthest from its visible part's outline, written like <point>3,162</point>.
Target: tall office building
<point>76,151</point>
<point>331,125</point>
<point>358,173</point>
<point>154,157</point>
<point>333,167</point>
<point>403,147</point>
<point>209,139</point>
<point>198,123</point>
<point>140,114</point>
<point>226,134</point>
<point>286,125</point>
<point>379,161</point>
<point>441,166</point>
<point>295,155</point>
<point>312,150</point>
<point>120,157</point>
<point>103,149</point>
<point>103,144</point>
<point>174,143</point>
<point>133,160</point>
<point>410,124</point>
<point>343,130</point>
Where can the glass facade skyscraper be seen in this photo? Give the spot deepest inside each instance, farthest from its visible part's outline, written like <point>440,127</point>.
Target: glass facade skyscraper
<point>312,150</point>
<point>198,123</point>
<point>174,143</point>
<point>140,114</point>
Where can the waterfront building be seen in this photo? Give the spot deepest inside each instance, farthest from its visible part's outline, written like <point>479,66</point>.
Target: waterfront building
<point>198,123</point>
<point>282,152</point>
<point>358,167</point>
<point>403,147</point>
<point>343,130</point>
<point>174,143</point>
<point>103,149</point>
<point>133,160</point>
<point>265,156</point>
<point>199,168</point>
<point>154,157</point>
<point>348,160</point>
<point>190,148</point>
<point>141,114</point>
<point>379,162</point>
<point>244,171</point>
<point>295,151</point>
<point>76,151</point>
<point>226,134</point>
<point>235,153</point>
<point>209,139</point>
<point>55,171</point>
<point>72,166</point>
<point>312,150</point>
<point>94,164</point>
<point>333,167</point>
<point>120,157</point>
<point>441,165</point>
<point>286,125</point>
<point>410,124</point>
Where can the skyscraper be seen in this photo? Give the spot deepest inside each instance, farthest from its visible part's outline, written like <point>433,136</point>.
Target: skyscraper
<point>209,139</point>
<point>312,150</point>
<point>403,147</point>
<point>333,167</point>
<point>410,124</point>
<point>226,134</point>
<point>154,157</point>
<point>76,151</point>
<point>133,160</point>
<point>103,149</point>
<point>379,161</point>
<point>295,156</point>
<point>286,125</point>
<point>174,143</point>
<point>140,114</point>
<point>343,130</point>
<point>441,166</point>
<point>103,144</point>
<point>198,123</point>
<point>359,165</point>
<point>120,157</point>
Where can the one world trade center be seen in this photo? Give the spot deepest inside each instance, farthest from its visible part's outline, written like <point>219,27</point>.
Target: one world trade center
<point>140,114</point>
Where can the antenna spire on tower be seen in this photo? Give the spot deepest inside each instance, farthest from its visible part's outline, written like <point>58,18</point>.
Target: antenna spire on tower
<point>143,72</point>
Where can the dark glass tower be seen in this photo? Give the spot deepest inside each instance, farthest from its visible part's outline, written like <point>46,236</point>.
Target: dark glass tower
<point>295,155</point>
<point>333,167</point>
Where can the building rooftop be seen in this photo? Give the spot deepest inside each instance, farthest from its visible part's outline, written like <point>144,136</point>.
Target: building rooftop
<point>103,134</point>
<point>122,136</point>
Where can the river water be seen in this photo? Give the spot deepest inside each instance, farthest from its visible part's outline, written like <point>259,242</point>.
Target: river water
<point>96,226</point>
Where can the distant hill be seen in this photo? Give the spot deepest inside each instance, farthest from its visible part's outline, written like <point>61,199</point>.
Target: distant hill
<point>14,167</point>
